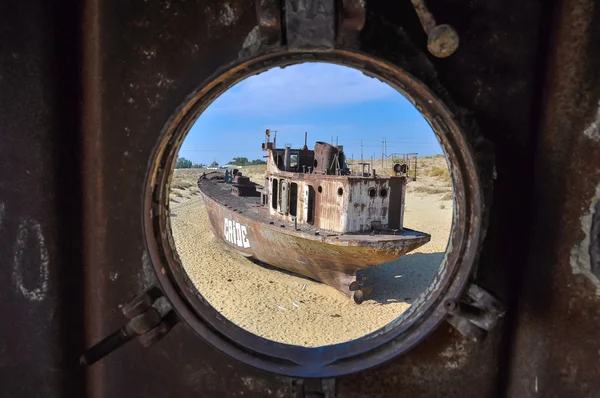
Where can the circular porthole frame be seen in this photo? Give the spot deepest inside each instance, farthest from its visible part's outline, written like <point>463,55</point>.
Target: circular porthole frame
<point>394,339</point>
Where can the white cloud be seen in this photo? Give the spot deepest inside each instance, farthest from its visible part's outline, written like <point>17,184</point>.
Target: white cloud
<point>302,86</point>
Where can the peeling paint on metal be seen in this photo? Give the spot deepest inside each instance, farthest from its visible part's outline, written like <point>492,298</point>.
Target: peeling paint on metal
<point>580,254</point>
<point>455,355</point>
<point>164,81</point>
<point>252,42</point>
<point>147,276</point>
<point>228,16</point>
<point>39,290</point>
<point>149,53</point>
<point>593,130</point>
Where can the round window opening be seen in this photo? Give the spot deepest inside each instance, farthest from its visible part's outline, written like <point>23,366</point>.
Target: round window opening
<point>236,258</point>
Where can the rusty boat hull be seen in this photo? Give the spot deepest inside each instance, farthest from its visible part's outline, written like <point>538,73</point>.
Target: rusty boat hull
<point>331,258</point>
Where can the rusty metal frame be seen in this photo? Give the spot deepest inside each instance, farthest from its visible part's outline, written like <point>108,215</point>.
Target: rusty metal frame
<point>396,338</point>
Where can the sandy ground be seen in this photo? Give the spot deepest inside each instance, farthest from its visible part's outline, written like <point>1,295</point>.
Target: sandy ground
<point>274,305</point>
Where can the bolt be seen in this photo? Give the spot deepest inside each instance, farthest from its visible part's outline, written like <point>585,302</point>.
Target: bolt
<point>442,41</point>
<point>450,305</point>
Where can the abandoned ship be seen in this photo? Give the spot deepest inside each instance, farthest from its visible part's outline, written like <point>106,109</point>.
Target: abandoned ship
<point>313,216</point>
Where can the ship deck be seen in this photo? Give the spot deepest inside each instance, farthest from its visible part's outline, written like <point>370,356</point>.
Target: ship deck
<point>252,208</point>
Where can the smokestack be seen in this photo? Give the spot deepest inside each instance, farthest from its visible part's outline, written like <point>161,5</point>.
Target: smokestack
<point>305,148</point>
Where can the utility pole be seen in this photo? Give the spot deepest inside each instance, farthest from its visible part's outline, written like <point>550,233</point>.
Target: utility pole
<point>361,151</point>
<point>382,152</point>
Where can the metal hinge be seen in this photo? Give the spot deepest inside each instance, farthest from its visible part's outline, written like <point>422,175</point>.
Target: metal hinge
<point>146,323</point>
<point>313,388</point>
<point>476,313</point>
<point>304,25</point>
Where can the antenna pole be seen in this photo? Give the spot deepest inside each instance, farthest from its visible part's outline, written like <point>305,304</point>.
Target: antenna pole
<point>386,147</point>
<point>361,151</point>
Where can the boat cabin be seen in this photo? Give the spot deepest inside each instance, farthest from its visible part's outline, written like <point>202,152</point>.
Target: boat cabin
<point>316,187</point>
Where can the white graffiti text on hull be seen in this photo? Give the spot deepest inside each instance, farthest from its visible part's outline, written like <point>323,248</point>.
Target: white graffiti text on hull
<point>236,233</point>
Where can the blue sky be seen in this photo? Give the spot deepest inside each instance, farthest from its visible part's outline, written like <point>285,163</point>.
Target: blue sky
<point>324,100</point>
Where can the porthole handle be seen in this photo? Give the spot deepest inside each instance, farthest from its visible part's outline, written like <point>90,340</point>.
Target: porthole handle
<point>145,322</point>
<point>475,313</point>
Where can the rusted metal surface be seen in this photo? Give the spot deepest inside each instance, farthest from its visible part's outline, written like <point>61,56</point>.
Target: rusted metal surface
<point>329,198</point>
<point>142,58</point>
<point>310,24</point>
<point>40,231</point>
<point>559,305</point>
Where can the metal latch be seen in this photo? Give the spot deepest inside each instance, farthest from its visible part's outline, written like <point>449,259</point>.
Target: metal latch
<point>476,313</point>
<point>145,322</point>
<point>313,388</point>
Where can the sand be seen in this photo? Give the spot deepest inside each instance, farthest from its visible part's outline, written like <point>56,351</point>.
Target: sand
<point>295,310</point>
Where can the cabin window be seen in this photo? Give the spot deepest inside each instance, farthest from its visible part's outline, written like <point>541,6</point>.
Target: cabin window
<point>279,162</point>
<point>372,192</point>
<point>274,193</point>
<point>310,217</point>
<point>340,191</point>
<point>383,193</point>
<point>294,161</point>
<point>293,199</point>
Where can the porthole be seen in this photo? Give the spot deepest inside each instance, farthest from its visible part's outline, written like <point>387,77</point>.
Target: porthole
<point>320,189</point>
<point>372,192</point>
<point>398,336</point>
<point>383,192</point>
